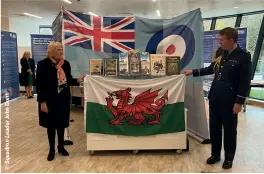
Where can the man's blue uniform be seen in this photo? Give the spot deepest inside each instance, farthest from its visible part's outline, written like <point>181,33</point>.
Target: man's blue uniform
<point>230,85</point>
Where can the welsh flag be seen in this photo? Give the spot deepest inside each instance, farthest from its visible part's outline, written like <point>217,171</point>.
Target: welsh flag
<point>134,107</point>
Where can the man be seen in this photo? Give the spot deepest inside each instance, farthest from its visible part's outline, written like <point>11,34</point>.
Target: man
<point>228,92</point>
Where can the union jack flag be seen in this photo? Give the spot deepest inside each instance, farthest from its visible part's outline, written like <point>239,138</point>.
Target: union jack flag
<point>101,34</point>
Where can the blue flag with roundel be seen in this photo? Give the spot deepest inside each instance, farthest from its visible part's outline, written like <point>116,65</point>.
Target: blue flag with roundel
<point>179,36</point>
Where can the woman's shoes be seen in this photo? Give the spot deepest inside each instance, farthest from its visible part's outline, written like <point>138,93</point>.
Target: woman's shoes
<point>62,151</point>
<point>51,155</point>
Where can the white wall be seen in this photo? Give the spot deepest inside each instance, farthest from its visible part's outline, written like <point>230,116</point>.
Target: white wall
<point>24,26</point>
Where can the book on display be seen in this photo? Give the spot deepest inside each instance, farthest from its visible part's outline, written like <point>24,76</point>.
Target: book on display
<point>145,63</point>
<point>173,65</point>
<point>110,67</point>
<point>123,64</point>
<point>96,67</point>
<point>134,62</point>
<point>158,64</point>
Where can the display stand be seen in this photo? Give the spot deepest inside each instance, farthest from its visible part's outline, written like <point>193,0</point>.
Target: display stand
<point>172,141</point>
<point>67,137</point>
<point>76,91</point>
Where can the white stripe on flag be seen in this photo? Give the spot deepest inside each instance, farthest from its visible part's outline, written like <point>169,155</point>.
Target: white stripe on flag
<point>96,87</point>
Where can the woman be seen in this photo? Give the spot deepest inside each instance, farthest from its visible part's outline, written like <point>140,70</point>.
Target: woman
<point>27,73</point>
<point>52,84</point>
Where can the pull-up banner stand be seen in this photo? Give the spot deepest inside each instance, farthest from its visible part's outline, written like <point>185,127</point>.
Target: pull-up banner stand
<point>9,67</point>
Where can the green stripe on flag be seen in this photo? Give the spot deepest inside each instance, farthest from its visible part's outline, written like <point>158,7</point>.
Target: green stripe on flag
<point>172,121</point>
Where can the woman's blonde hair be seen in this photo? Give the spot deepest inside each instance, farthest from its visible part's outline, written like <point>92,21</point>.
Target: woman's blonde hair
<point>25,53</point>
<point>52,47</point>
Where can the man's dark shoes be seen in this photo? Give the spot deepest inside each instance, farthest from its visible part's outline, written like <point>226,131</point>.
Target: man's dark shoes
<point>51,155</point>
<point>227,164</point>
<point>63,151</point>
<point>213,160</point>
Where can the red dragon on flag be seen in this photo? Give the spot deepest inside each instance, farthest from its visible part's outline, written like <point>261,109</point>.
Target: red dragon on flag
<point>143,104</point>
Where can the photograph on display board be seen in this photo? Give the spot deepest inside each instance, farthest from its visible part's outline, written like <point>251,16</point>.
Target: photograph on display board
<point>123,63</point>
<point>145,63</point>
<point>173,65</point>
<point>134,62</point>
<point>158,64</point>
<point>96,67</point>
<point>110,67</point>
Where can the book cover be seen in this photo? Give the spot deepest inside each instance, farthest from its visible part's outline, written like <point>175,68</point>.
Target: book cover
<point>173,64</point>
<point>110,67</point>
<point>158,64</point>
<point>96,67</point>
<point>145,63</point>
<point>123,64</point>
<point>134,62</point>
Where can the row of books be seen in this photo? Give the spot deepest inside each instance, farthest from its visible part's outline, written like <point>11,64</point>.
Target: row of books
<point>136,63</point>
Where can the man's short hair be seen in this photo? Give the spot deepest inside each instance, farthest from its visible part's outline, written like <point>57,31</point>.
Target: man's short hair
<point>230,33</point>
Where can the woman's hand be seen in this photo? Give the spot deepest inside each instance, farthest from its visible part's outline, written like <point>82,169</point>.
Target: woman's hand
<point>44,107</point>
<point>29,70</point>
<point>80,79</point>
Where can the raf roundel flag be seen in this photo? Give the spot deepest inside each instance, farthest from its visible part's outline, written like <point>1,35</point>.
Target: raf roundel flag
<point>173,41</point>
<point>174,37</point>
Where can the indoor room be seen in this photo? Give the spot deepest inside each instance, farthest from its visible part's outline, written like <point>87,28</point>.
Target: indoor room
<point>132,86</point>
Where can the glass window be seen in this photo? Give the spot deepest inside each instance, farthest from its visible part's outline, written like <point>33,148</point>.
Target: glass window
<point>252,23</point>
<point>225,22</point>
<point>207,25</point>
<point>258,93</point>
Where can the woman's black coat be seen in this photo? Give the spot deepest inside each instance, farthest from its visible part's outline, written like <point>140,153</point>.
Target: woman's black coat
<point>24,74</point>
<point>47,86</point>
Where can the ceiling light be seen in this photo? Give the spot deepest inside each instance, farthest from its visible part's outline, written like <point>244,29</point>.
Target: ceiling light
<point>67,1</point>
<point>91,13</point>
<point>158,12</point>
<point>235,7</point>
<point>153,0</point>
<point>31,15</point>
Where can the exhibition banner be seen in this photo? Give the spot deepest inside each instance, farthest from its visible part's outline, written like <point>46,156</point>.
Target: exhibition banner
<point>39,45</point>
<point>134,107</point>
<point>9,67</point>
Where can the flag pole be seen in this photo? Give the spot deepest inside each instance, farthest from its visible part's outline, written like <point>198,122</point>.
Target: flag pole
<point>62,26</point>
<point>67,137</point>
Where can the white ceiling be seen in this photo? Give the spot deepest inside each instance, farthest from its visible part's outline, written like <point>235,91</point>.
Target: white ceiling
<point>48,9</point>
